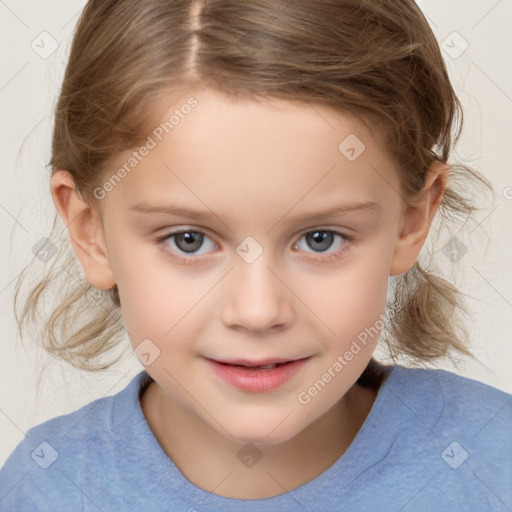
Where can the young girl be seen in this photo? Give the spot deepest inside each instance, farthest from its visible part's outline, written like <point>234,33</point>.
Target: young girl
<point>201,153</point>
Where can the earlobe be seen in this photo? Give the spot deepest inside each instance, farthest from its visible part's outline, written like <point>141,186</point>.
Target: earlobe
<point>417,218</point>
<point>84,228</point>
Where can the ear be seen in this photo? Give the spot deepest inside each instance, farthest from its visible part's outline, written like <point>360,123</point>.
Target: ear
<point>417,218</point>
<point>85,230</point>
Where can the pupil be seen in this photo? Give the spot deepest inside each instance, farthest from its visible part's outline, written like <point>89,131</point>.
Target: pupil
<point>192,241</point>
<point>324,238</point>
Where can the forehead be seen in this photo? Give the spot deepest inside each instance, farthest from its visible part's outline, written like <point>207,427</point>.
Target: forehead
<point>211,112</point>
<point>206,145</point>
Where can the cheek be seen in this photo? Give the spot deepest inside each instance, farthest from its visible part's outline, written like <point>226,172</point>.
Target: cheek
<point>349,297</point>
<point>163,306</point>
<point>148,303</point>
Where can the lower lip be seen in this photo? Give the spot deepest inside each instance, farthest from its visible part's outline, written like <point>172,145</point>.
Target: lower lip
<point>257,380</point>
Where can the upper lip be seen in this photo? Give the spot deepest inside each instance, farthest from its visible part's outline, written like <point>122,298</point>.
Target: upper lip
<point>261,362</point>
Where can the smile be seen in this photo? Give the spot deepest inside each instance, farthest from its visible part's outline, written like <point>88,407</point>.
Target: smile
<point>257,378</point>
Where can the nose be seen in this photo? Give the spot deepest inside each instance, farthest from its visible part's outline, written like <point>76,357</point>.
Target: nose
<point>256,298</point>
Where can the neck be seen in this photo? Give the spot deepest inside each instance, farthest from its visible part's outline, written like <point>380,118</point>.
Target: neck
<point>213,462</point>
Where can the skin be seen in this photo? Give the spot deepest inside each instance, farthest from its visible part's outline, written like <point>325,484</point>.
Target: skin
<point>253,166</point>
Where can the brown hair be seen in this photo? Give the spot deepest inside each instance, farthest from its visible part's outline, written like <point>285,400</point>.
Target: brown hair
<point>377,59</point>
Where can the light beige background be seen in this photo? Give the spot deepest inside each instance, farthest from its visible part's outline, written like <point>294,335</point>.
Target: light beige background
<point>29,85</point>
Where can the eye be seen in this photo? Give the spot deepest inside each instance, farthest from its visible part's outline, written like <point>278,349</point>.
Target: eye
<point>322,239</point>
<point>186,241</point>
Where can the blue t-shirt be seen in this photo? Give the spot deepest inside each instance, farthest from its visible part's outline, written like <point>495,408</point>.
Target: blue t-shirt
<point>433,441</point>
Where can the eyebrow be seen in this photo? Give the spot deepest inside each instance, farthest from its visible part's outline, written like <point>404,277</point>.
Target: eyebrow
<point>200,215</point>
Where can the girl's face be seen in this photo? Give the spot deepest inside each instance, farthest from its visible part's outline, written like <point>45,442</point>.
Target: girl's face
<point>250,279</point>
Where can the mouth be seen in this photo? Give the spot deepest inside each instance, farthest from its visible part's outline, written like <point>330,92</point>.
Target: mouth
<point>263,364</point>
<point>257,376</point>
<point>256,367</point>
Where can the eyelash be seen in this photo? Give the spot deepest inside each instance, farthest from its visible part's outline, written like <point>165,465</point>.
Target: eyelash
<point>161,242</point>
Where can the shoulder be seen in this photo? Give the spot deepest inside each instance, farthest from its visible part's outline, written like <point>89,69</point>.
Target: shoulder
<point>61,449</point>
<point>464,398</point>
<point>451,431</point>
<point>458,409</point>
<point>447,378</point>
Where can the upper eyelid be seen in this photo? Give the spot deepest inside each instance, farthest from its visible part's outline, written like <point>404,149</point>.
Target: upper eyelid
<point>190,228</point>
<point>185,229</point>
